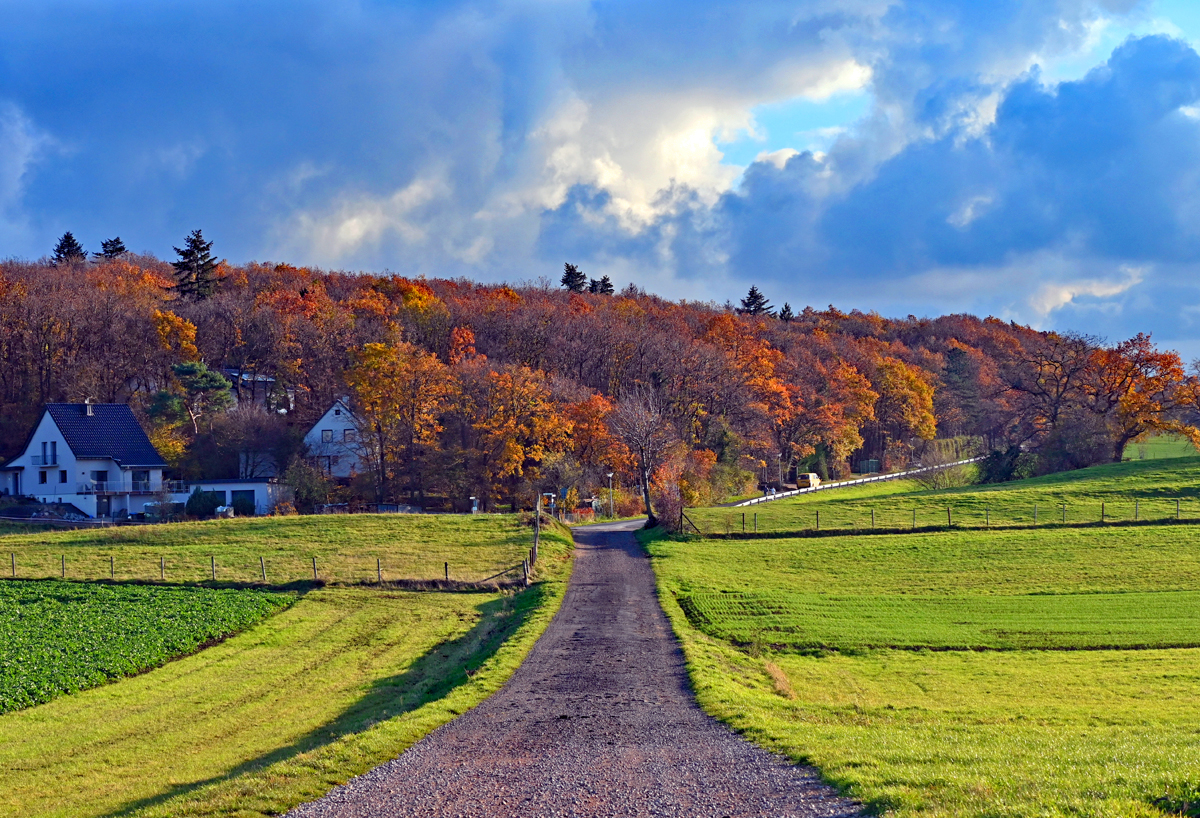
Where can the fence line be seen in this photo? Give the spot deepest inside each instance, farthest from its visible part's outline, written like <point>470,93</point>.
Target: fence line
<point>857,481</point>
<point>865,517</point>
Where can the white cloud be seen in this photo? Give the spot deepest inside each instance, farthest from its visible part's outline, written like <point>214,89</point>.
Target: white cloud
<point>1054,296</point>
<point>362,222</point>
<point>22,144</point>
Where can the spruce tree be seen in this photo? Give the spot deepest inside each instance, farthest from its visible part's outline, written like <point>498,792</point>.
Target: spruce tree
<point>68,251</point>
<point>111,249</point>
<point>573,279</point>
<point>196,270</point>
<point>786,315</point>
<point>604,286</point>
<point>755,303</point>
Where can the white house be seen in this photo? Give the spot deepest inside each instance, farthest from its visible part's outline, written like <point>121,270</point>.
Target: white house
<point>97,457</point>
<point>333,442</point>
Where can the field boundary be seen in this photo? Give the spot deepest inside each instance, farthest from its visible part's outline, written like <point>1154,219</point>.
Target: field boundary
<point>855,482</point>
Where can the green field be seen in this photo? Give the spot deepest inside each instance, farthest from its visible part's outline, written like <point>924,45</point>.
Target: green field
<point>961,672</point>
<point>1134,491</point>
<point>61,637</point>
<point>346,547</point>
<point>341,681</point>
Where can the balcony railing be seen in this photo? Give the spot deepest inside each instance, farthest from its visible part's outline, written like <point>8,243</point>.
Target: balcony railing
<point>130,487</point>
<point>48,460</point>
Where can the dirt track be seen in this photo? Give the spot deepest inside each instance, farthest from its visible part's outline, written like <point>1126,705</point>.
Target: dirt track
<point>598,721</point>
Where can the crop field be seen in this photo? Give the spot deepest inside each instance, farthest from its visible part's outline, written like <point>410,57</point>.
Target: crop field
<point>1141,491</point>
<point>344,679</point>
<point>61,637</point>
<point>348,549</point>
<point>961,672</point>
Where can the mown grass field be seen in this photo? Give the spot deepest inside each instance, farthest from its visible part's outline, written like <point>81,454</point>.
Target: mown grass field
<point>346,548</point>
<point>60,637</point>
<point>961,672</point>
<point>1133,491</point>
<point>344,679</point>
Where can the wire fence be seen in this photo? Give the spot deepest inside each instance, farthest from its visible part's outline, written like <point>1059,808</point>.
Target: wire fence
<point>897,517</point>
<point>875,478</point>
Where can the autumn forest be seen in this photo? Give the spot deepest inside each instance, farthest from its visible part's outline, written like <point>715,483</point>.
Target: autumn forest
<point>503,391</point>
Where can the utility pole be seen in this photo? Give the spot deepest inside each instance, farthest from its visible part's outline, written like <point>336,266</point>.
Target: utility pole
<point>610,496</point>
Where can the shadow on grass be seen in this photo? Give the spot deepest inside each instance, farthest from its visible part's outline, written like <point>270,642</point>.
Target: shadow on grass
<point>431,677</point>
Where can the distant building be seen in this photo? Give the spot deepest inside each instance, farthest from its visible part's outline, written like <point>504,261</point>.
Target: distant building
<point>97,457</point>
<point>333,442</point>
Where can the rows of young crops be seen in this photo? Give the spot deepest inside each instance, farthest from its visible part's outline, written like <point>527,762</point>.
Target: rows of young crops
<point>59,637</point>
<point>1039,621</point>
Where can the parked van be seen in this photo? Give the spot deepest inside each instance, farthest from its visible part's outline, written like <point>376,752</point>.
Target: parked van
<point>807,481</point>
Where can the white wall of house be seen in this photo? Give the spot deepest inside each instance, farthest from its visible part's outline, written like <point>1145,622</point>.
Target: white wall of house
<point>49,471</point>
<point>333,442</point>
<point>264,493</point>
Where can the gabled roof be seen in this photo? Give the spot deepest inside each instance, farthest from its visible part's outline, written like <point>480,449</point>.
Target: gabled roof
<point>111,431</point>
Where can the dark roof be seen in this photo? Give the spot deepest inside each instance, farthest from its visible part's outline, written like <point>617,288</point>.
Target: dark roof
<point>111,431</point>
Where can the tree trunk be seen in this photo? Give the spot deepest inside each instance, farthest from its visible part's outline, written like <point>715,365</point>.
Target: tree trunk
<point>651,520</point>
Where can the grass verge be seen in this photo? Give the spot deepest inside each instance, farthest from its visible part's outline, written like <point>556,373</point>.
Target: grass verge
<point>342,681</point>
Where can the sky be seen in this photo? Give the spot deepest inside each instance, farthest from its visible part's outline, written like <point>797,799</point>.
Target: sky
<point>1038,161</point>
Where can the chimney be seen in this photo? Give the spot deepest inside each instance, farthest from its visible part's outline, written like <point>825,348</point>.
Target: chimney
<point>87,406</point>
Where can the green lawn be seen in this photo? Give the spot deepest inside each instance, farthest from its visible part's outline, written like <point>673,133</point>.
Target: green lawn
<point>343,680</point>
<point>938,673</point>
<point>1131,491</point>
<point>346,547</point>
<point>60,637</point>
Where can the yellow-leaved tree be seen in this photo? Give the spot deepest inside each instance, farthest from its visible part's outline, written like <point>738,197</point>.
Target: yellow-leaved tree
<point>398,393</point>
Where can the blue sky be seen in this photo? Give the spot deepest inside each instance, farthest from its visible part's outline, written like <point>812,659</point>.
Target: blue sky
<point>1037,161</point>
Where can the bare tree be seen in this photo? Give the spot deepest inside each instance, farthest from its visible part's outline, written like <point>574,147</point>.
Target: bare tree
<point>640,423</point>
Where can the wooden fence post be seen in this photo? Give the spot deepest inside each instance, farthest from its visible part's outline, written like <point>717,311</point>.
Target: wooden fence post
<point>1176,508</point>
<point>262,563</point>
<point>756,522</point>
<point>1101,511</point>
<point>447,567</point>
<point>1035,513</point>
<point>314,569</point>
<point>379,570</point>
<point>213,562</point>
<point>949,521</point>
<point>112,571</point>
<point>872,519</point>
<point>162,568</point>
<point>743,522</point>
<point>914,518</point>
<point>1135,511</point>
<point>64,566</point>
<point>14,564</point>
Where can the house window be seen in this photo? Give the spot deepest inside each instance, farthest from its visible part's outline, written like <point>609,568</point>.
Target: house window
<point>333,461</point>
<point>54,452</point>
<point>44,454</point>
<point>41,476</point>
<point>337,411</point>
<point>62,476</point>
<point>347,435</point>
<point>327,435</point>
<point>100,476</point>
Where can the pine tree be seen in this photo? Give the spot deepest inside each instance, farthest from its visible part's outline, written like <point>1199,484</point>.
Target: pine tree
<point>195,272</point>
<point>111,249</point>
<point>68,250</point>
<point>573,279</point>
<point>604,286</point>
<point>755,303</point>
<point>786,315</point>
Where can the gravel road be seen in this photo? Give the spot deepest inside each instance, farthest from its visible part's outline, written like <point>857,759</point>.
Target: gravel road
<point>598,721</point>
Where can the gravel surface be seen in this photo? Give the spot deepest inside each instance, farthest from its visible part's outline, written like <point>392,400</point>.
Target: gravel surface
<point>598,721</point>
